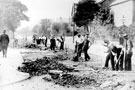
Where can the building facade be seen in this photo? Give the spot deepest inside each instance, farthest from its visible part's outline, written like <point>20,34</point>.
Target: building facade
<point>124,12</point>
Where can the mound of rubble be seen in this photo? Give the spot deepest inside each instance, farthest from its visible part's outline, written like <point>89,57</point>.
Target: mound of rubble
<point>92,79</point>
<point>31,46</point>
<point>42,66</point>
<point>62,74</point>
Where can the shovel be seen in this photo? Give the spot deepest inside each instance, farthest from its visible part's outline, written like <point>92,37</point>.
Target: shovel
<point>117,61</point>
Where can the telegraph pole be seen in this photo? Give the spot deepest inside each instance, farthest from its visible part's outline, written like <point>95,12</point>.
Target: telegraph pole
<point>72,14</point>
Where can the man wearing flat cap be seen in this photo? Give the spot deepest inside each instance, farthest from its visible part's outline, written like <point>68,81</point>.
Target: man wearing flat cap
<point>128,45</point>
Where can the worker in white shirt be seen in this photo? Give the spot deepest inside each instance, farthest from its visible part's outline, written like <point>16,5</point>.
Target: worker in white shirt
<point>79,43</point>
<point>44,40</point>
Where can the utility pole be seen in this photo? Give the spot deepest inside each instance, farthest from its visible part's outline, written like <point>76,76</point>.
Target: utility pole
<point>72,14</point>
<point>133,11</point>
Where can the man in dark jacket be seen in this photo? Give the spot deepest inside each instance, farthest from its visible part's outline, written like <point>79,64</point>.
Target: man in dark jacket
<point>4,38</point>
<point>86,45</point>
<point>52,43</point>
<point>62,39</point>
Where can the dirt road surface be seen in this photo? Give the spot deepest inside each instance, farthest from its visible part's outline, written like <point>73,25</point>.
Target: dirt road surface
<point>117,80</point>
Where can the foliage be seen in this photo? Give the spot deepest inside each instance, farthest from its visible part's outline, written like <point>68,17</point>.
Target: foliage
<point>45,24</point>
<point>66,28</point>
<point>47,27</point>
<point>105,16</point>
<point>61,28</point>
<point>131,31</point>
<point>56,27</point>
<point>12,12</point>
<point>85,12</point>
<point>36,29</point>
<point>89,10</point>
<point>43,27</point>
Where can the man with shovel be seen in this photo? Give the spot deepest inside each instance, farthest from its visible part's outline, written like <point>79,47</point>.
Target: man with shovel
<point>110,56</point>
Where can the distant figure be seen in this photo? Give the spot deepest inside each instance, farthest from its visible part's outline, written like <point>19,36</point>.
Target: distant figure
<point>4,38</point>
<point>52,43</point>
<point>34,38</point>
<point>62,39</point>
<point>38,40</point>
<point>16,42</point>
<point>44,40</point>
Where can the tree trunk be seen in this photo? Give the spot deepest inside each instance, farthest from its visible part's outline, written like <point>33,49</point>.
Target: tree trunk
<point>13,39</point>
<point>86,27</point>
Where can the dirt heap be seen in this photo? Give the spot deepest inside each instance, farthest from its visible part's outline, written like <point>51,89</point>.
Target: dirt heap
<point>31,46</point>
<point>67,76</point>
<point>42,66</point>
<point>91,79</point>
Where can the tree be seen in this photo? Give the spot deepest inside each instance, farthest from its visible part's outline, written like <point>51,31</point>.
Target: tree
<point>43,27</point>
<point>12,12</point>
<point>131,31</point>
<point>61,28</point>
<point>88,10</point>
<point>56,27</point>
<point>66,28</point>
<point>36,29</point>
<point>45,24</point>
<point>85,12</point>
<point>105,15</point>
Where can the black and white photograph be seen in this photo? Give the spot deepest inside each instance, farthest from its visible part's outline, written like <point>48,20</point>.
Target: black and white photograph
<point>67,44</point>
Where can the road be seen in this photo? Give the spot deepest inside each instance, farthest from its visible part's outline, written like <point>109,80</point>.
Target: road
<point>8,67</point>
<point>9,74</point>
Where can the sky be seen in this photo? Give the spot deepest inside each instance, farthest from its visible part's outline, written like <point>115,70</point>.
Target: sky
<point>52,9</point>
<point>41,9</point>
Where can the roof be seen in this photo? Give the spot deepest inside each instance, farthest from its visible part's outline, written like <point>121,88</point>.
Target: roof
<point>106,2</point>
<point>117,2</point>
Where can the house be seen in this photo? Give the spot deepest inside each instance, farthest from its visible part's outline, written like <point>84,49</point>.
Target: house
<point>124,12</point>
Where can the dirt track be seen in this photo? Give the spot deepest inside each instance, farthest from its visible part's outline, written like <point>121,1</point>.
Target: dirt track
<point>116,80</point>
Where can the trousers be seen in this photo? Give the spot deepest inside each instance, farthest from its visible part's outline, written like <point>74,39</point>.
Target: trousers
<point>110,57</point>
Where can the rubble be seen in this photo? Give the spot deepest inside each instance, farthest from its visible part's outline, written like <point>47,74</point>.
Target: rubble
<point>42,66</point>
<point>60,73</point>
<point>31,46</point>
<point>79,75</point>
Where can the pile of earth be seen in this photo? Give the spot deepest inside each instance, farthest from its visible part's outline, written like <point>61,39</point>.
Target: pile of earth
<point>91,79</point>
<point>65,76</point>
<point>42,66</point>
<point>67,54</point>
<point>63,55</point>
<point>31,46</point>
<point>35,46</point>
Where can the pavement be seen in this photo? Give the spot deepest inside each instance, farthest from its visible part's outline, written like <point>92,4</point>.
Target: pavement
<point>8,68</point>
